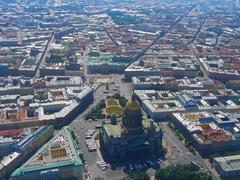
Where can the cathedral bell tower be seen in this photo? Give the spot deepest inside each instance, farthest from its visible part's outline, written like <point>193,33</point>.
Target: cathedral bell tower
<point>132,118</point>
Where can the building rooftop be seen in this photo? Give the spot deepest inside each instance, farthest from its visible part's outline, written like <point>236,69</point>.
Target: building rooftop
<point>210,127</point>
<point>60,151</point>
<point>229,163</point>
<point>116,130</point>
<point>104,59</point>
<point>113,130</point>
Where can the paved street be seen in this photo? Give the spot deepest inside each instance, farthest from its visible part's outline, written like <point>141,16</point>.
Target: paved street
<point>181,154</point>
<point>80,127</point>
<point>44,54</point>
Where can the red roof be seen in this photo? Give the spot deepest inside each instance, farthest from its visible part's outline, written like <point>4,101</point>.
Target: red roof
<point>15,132</point>
<point>216,135</point>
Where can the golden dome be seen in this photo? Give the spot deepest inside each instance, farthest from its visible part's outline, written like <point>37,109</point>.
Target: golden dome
<point>132,106</point>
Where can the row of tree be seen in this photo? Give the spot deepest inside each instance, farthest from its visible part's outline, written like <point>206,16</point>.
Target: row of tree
<point>172,172</point>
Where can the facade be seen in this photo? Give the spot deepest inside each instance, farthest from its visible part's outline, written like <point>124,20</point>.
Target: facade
<point>24,149</point>
<point>133,137</point>
<point>52,71</point>
<point>228,166</point>
<point>57,159</point>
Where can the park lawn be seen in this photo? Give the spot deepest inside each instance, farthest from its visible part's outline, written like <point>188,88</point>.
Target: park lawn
<point>112,102</point>
<point>114,110</point>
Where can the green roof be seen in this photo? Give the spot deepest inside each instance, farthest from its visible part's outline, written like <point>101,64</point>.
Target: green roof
<point>114,130</point>
<point>74,160</point>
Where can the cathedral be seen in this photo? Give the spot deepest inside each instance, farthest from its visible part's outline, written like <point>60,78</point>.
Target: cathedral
<point>133,137</point>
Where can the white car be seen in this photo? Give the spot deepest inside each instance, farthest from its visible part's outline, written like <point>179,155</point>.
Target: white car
<point>131,167</point>
<point>88,137</point>
<point>103,168</point>
<point>99,162</point>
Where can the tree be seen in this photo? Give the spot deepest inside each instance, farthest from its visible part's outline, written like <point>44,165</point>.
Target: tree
<point>216,29</point>
<point>96,112</point>
<point>122,99</point>
<point>140,175</point>
<point>121,18</point>
<point>182,172</point>
<point>99,178</point>
<point>141,63</point>
<point>81,156</point>
<point>102,104</point>
<point>34,52</point>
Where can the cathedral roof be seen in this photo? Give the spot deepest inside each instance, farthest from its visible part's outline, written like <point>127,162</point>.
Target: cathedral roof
<point>132,106</point>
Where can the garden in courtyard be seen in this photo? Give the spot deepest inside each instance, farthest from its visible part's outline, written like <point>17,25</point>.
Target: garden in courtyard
<point>113,108</point>
<point>113,105</point>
